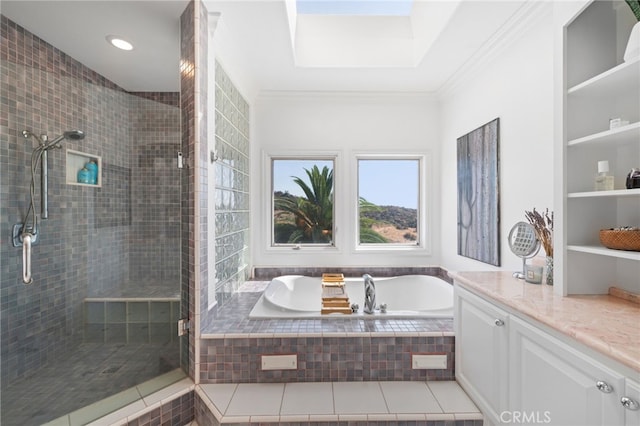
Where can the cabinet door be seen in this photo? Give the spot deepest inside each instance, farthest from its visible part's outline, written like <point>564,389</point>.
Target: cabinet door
<point>552,383</point>
<point>481,351</point>
<point>632,407</point>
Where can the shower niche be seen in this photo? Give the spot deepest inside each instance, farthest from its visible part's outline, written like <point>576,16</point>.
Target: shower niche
<point>76,161</point>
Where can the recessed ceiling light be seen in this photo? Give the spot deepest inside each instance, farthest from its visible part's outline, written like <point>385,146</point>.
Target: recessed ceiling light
<point>119,42</point>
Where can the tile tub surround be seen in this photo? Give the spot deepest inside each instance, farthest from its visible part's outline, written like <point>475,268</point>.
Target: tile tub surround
<point>603,323</point>
<point>269,273</point>
<point>332,349</point>
<point>336,403</point>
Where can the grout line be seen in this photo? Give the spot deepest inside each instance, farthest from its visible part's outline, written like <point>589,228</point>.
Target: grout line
<point>384,397</point>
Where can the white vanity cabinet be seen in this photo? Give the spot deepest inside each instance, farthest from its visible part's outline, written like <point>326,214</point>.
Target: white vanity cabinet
<point>631,401</point>
<point>481,351</point>
<point>552,381</point>
<point>519,371</point>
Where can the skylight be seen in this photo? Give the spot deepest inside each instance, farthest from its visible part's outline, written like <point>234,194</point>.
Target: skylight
<point>355,7</point>
<point>365,33</point>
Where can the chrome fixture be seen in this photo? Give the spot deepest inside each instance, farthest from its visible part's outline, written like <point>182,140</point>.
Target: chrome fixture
<point>629,403</point>
<point>369,294</point>
<point>604,387</point>
<point>26,234</point>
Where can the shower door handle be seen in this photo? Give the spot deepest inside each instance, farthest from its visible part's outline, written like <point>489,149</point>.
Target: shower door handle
<point>27,239</point>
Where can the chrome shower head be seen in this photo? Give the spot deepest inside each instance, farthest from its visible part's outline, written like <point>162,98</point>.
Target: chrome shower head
<point>74,135</point>
<point>45,143</point>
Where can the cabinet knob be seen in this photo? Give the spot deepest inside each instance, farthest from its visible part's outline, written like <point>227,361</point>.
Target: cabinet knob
<point>499,322</point>
<point>604,386</point>
<point>629,403</point>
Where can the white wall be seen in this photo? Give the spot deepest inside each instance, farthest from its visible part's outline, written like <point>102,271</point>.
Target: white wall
<point>344,124</point>
<point>515,83</point>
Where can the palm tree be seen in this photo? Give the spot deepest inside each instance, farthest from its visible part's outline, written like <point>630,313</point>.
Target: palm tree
<point>367,234</point>
<point>310,219</point>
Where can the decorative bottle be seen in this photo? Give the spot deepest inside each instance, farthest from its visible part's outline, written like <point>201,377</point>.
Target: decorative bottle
<point>93,172</point>
<point>84,175</point>
<point>604,182</point>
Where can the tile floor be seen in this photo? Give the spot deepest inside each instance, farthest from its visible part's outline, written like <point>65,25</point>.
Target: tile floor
<point>338,401</point>
<point>89,373</point>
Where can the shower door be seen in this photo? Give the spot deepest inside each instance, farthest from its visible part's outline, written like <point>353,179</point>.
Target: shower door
<point>99,316</point>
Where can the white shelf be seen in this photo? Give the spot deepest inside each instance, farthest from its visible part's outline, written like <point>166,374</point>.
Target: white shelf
<point>598,194</point>
<point>588,108</point>
<point>624,134</point>
<point>75,161</point>
<point>622,78</point>
<point>603,251</point>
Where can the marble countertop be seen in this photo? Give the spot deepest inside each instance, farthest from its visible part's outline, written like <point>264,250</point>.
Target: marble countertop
<point>607,324</point>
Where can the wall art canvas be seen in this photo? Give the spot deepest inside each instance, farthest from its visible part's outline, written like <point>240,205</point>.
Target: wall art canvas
<point>478,194</point>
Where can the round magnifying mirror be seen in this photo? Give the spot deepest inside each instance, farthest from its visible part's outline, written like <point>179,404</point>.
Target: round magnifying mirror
<point>523,243</point>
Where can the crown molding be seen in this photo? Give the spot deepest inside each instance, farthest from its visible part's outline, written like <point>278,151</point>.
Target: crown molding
<point>344,95</point>
<point>518,24</point>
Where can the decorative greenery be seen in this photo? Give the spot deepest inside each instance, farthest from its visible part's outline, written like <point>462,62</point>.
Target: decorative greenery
<point>635,7</point>
<point>367,234</point>
<point>309,219</point>
<point>312,216</point>
<point>543,225</point>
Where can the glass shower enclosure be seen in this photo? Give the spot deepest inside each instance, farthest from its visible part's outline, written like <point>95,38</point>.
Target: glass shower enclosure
<point>99,315</point>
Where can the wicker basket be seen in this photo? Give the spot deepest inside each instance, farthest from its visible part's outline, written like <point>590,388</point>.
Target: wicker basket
<point>620,239</point>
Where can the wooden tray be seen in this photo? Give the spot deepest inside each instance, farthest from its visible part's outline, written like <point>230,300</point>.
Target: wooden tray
<point>346,311</point>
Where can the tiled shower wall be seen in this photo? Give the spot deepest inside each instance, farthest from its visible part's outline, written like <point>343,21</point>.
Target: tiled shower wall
<point>155,240</point>
<point>232,187</point>
<point>88,246</point>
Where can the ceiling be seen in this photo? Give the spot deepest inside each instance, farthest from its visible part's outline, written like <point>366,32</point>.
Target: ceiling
<point>261,37</point>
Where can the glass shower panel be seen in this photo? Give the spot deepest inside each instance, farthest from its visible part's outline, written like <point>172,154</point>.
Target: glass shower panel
<point>100,314</point>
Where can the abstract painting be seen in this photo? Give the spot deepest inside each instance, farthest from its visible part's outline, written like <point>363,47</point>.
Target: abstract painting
<point>478,194</point>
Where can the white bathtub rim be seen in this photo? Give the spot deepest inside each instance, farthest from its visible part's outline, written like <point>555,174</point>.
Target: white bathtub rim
<point>264,309</point>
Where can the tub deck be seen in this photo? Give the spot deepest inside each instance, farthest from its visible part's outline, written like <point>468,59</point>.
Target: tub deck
<point>328,350</point>
<point>233,319</point>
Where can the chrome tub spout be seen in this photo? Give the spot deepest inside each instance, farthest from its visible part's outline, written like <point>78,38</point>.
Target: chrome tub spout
<point>369,294</point>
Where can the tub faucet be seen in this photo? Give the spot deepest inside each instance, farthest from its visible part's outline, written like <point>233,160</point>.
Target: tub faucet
<point>369,294</point>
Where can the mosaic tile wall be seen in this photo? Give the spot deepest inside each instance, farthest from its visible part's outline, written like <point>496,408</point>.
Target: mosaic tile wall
<point>202,414</point>
<point>268,273</point>
<point>232,187</point>
<point>189,232</point>
<point>327,349</point>
<point>178,412</point>
<point>84,245</point>
<point>323,359</point>
<point>155,206</point>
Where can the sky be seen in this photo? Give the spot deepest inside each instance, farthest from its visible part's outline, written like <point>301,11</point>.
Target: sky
<point>355,7</point>
<point>382,182</point>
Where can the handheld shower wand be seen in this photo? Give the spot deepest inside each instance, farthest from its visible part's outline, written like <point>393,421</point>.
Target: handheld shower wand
<point>26,234</point>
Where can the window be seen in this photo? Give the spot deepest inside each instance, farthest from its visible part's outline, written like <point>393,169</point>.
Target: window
<point>303,201</point>
<point>388,202</point>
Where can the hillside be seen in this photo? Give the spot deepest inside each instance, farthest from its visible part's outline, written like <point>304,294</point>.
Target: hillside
<point>400,217</point>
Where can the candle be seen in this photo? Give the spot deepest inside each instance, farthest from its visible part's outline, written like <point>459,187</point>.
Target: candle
<point>533,274</point>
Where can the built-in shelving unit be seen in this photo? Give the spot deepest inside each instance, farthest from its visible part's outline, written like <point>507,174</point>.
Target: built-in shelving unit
<point>593,46</point>
<point>76,161</point>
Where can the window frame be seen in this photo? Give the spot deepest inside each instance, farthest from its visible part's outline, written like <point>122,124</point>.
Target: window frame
<point>423,206</point>
<point>270,190</point>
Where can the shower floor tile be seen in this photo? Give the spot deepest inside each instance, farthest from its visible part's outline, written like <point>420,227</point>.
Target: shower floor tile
<point>91,372</point>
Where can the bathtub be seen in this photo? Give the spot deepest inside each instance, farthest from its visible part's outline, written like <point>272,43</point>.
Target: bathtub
<point>415,296</point>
